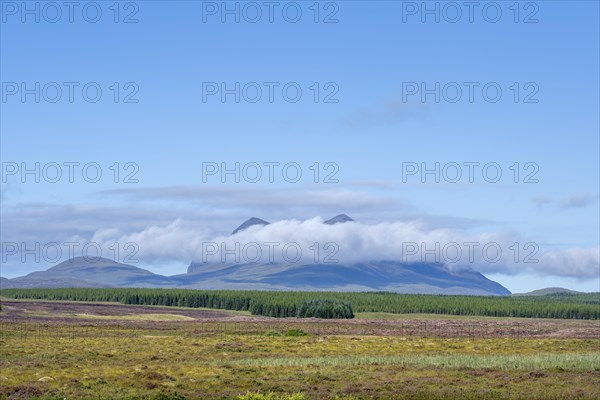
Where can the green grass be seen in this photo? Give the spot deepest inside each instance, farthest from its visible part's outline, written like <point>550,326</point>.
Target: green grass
<point>177,361</point>
<point>563,362</point>
<point>108,357</point>
<point>271,396</point>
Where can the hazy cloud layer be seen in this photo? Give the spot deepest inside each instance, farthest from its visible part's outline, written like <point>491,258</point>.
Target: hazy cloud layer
<point>390,110</point>
<point>578,200</point>
<point>185,223</point>
<point>212,209</point>
<point>261,198</point>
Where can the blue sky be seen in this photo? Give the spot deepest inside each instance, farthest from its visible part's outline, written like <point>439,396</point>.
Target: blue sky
<point>370,127</point>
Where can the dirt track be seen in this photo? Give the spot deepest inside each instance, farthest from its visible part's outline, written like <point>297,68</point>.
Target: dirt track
<point>21,308</point>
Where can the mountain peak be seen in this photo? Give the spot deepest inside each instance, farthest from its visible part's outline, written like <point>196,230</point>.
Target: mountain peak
<point>250,222</point>
<point>338,219</point>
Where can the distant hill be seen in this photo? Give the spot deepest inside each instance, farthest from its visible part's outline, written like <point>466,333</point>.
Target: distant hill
<point>547,291</point>
<point>376,275</point>
<point>82,272</point>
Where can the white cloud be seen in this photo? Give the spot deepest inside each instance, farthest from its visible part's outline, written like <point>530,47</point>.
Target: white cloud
<point>488,252</point>
<point>573,262</point>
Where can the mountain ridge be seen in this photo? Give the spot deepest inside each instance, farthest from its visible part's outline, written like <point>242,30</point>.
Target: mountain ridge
<point>382,275</point>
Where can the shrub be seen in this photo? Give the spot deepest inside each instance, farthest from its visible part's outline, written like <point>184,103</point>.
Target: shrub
<point>167,396</point>
<point>295,332</point>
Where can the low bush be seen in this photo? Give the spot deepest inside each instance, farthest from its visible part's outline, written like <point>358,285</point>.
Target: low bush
<point>295,332</point>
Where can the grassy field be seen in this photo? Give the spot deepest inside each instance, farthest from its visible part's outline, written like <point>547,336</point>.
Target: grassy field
<point>56,350</point>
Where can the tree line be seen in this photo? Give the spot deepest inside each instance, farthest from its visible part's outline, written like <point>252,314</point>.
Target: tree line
<point>302,304</point>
